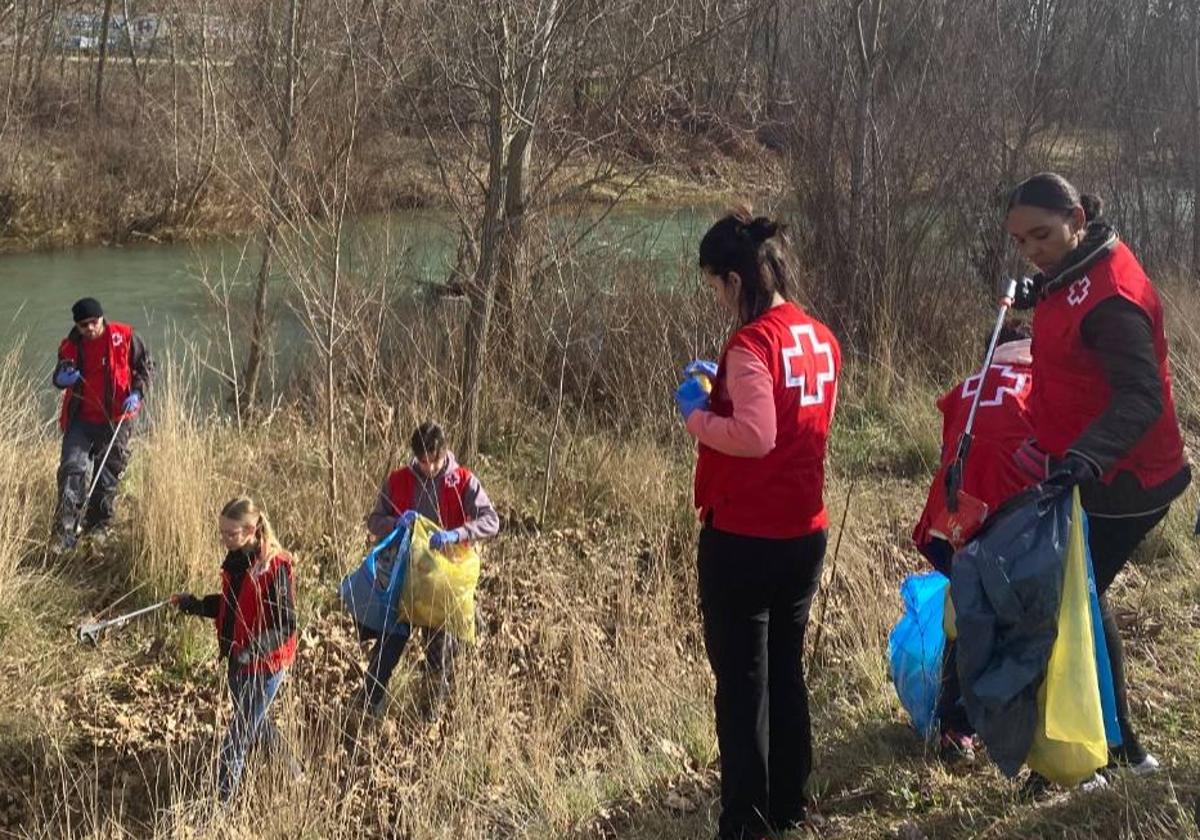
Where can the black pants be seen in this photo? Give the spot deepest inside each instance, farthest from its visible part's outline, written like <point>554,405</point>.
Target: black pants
<point>1111,542</point>
<point>755,596</point>
<point>83,448</point>
<point>951,714</point>
<point>440,648</point>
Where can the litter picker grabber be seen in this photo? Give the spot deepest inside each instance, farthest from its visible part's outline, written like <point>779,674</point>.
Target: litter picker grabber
<point>96,478</point>
<point>963,513</point>
<point>91,632</point>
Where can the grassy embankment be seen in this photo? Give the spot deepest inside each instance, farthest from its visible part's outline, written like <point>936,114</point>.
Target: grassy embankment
<point>585,710</point>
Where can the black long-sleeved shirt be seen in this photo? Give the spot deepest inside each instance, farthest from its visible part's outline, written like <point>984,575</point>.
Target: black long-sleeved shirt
<point>279,602</point>
<point>1122,339</point>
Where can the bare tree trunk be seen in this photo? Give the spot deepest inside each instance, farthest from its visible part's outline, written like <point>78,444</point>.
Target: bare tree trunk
<point>275,196</point>
<point>1196,139</point>
<point>482,289</point>
<point>868,49</point>
<point>138,73</point>
<point>102,54</point>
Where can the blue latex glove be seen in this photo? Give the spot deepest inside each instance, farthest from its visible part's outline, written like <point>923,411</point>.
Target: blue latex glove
<point>690,396</point>
<point>408,518</point>
<point>441,539</point>
<point>67,377</point>
<point>702,366</point>
<point>132,403</point>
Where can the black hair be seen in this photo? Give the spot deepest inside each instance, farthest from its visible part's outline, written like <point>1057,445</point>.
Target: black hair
<point>1051,191</point>
<point>428,439</point>
<point>1011,331</point>
<point>757,249</point>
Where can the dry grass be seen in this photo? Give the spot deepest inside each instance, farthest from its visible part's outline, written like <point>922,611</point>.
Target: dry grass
<point>585,710</point>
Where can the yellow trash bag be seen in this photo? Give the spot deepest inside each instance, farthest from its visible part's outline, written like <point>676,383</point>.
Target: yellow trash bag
<point>1069,744</point>
<point>949,618</point>
<point>439,586</point>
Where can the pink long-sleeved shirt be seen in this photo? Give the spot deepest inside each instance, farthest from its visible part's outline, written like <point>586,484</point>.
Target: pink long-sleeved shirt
<point>750,432</point>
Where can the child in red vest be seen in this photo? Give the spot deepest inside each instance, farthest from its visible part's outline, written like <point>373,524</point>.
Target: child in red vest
<point>436,486</point>
<point>255,616</point>
<point>1002,424</point>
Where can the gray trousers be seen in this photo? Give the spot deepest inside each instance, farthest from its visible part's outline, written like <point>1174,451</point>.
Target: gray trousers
<point>83,448</point>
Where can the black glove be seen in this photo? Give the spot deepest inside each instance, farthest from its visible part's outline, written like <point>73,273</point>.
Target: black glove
<point>1028,291</point>
<point>1070,470</point>
<point>189,603</point>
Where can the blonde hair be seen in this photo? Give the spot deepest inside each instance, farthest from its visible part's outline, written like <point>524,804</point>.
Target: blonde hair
<point>244,511</point>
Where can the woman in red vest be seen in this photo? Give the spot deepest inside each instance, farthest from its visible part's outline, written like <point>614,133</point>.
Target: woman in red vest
<point>1002,425</point>
<point>436,486</point>
<point>1102,408</point>
<point>255,616</point>
<point>760,475</point>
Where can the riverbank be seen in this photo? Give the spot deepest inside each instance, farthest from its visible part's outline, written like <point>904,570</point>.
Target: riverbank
<point>584,712</point>
<point>109,184</point>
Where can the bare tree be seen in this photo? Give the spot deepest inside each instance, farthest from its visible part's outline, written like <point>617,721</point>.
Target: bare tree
<point>102,54</point>
<point>286,115</point>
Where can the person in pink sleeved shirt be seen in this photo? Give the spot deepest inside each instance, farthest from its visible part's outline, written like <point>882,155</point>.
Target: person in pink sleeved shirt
<point>760,474</point>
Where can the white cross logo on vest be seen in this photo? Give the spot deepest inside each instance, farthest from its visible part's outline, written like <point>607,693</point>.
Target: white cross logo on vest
<point>1078,291</point>
<point>971,385</point>
<point>799,379</point>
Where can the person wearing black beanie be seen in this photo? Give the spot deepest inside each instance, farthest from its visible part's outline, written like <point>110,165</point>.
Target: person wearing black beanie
<point>103,370</point>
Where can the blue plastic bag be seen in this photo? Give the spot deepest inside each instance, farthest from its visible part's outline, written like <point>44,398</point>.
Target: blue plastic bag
<point>915,648</point>
<point>1108,697</point>
<point>371,598</point>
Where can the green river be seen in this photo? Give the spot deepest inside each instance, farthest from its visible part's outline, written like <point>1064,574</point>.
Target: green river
<point>157,288</point>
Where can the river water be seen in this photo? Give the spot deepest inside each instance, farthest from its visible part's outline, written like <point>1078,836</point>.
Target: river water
<point>158,288</point>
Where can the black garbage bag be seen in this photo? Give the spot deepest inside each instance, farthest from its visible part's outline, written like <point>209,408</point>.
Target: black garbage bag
<point>1006,585</point>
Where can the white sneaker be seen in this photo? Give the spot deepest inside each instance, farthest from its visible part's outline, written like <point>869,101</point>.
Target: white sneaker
<point>1097,782</point>
<point>1146,766</point>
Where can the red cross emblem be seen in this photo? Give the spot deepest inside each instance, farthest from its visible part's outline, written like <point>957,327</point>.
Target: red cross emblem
<point>1078,291</point>
<point>808,365</point>
<point>1017,384</point>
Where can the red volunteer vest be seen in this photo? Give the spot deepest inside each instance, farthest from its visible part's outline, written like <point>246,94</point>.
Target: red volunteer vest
<point>1002,424</point>
<point>1070,390</point>
<point>117,344</point>
<point>252,613</point>
<point>451,489</point>
<point>780,495</point>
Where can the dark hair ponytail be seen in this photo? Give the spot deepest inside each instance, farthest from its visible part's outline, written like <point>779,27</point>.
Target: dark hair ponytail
<point>1051,191</point>
<point>756,248</point>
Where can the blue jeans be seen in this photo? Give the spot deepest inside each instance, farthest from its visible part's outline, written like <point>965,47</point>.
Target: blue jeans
<point>250,726</point>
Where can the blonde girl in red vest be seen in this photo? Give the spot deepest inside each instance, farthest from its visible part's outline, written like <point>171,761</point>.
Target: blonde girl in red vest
<point>436,486</point>
<point>255,617</point>
<point>760,476</point>
<point>1102,408</point>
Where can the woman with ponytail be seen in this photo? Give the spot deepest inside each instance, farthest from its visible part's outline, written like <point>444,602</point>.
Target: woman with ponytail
<point>762,427</point>
<point>1102,410</point>
<point>255,616</point>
